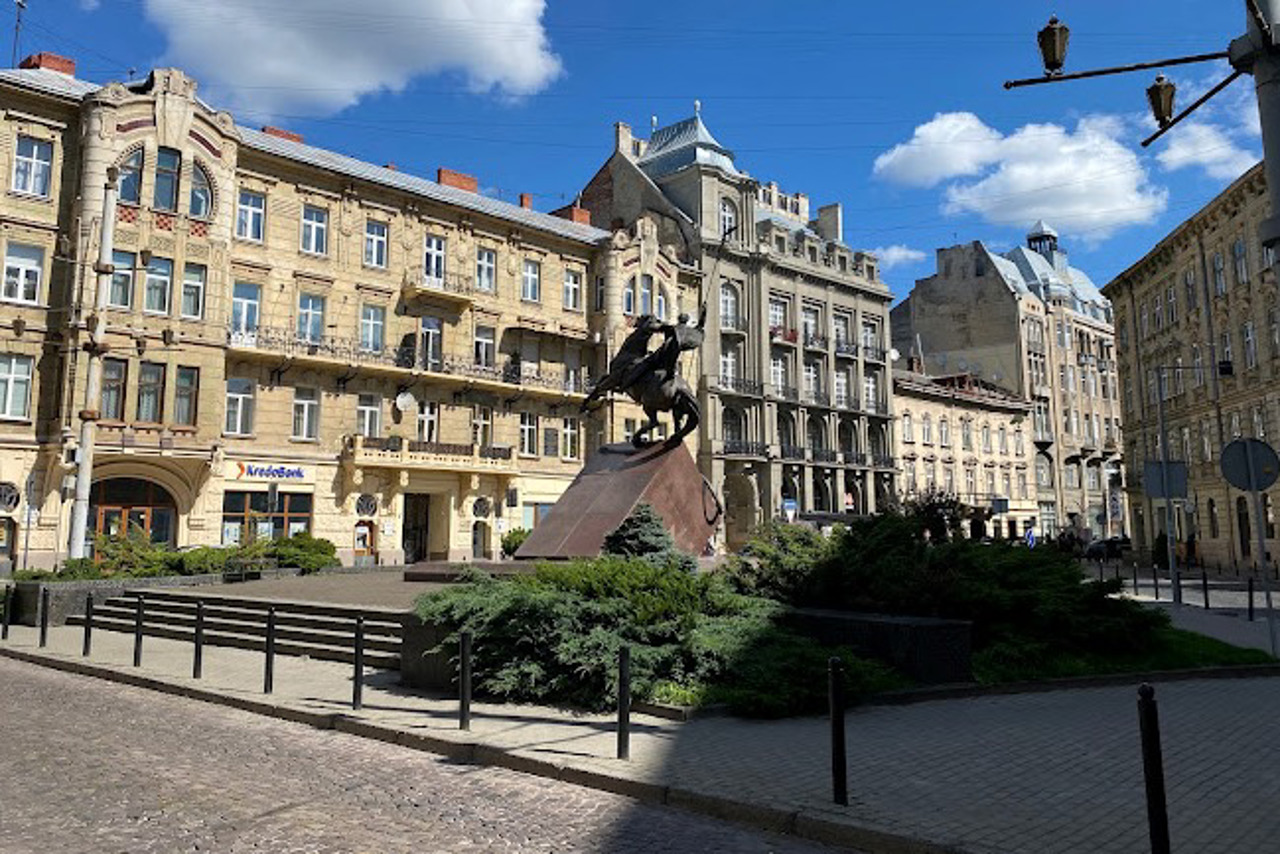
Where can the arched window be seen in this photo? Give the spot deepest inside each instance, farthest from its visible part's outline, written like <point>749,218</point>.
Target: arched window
<point>728,306</point>
<point>733,431</point>
<point>728,217</point>
<point>817,433</point>
<point>629,297</point>
<point>168,172</point>
<point>786,429</point>
<point>1213,518</point>
<point>131,178</point>
<point>907,434</point>
<point>1044,471</point>
<point>201,193</point>
<point>848,439</point>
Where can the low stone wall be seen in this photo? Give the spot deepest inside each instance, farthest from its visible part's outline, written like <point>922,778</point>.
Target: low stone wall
<point>929,650</point>
<point>68,597</point>
<point>419,666</point>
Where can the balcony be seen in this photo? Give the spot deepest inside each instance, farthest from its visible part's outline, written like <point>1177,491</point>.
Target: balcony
<point>792,452</point>
<point>817,398</point>
<point>847,349</point>
<point>874,407</point>
<point>1044,438</point>
<point>395,452</point>
<point>842,401</point>
<point>815,342</point>
<point>452,287</point>
<point>786,392</point>
<point>854,458</point>
<point>739,448</point>
<point>824,455</point>
<point>872,353</point>
<point>738,385</point>
<point>734,324</point>
<point>783,335</point>
<point>882,461</point>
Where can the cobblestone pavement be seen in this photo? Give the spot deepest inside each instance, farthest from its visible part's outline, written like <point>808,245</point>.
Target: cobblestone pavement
<point>91,766</point>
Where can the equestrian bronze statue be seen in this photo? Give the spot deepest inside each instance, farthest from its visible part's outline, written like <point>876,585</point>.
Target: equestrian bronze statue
<point>652,378</point>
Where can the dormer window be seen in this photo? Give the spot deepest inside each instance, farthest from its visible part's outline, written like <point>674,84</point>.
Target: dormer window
<point>201,202</point>
<point>131,178</point>
<point>168,167</point>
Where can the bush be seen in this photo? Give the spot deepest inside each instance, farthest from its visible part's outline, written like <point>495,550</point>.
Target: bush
<point>308,553</point>
<point>512,541</point>
<point>642,533</point>
<point>554,636</point>
<point>778,561</point>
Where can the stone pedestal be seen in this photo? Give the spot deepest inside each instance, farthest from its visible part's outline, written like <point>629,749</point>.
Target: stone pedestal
<point>616,479</point>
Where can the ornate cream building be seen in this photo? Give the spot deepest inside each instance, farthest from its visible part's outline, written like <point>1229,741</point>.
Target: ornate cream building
<point>1206,293</point>
<point>1029,322</point>
<point>961,436</point>
<point>794,380</point>
<point>294,339</point>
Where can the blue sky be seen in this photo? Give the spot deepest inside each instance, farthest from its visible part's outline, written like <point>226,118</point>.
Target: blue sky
<point>894,109</point>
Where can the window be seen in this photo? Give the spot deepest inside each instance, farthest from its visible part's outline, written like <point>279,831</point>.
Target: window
<point>33,167</point>
<point>158,286</point>
<point>1197,366</point>
<point>186,394</point>
<point>1171,305</point>
<point>777,314</point>
<point>306,413</point>
<point>375,243</point>
<point>1157,313</point>
<point>428,421</point>
<point>193,278</point>
<point>1189,283</point>
<point>200,204</point>
<point>599,304</point>
<point>151,393</point>
<point>811,382</point>
<point>245,299</point>
<point>531,282</point>
<point>369,416</point>
<point>728,363</point>
<point>239,406</point>
<point>944,432</point>
<point>778,371</point>
<point>23,266</point>
<point>629,297</point>
<point>908,435</point>
<point>646,294</point>
<point>569,439</point>
<point>966,434</point>
<point>373,321</point>
<point>1259,423</point>
<point>732,426</point>
<point>168,168</point>
<point>1241,257</point>
<point>870,334</point>
<point>728,306</point>
<point>1003,440</point>
<point>1219,277</point>
<point>130,184</point>
<point>1018,446</point>
<point>15,385</point>
<point>528,434</point>
<point>1225,342</point>
<point>433,258</point>
<point>1206,440</point>
<point>1213,519</point>
<point>1235,425</point>
<point>311,318</point>
<point>1250,345</point>
<point>926,429</point>
<point>573,290</point>
<point>486,269</point>
<point>810,323</point>
<point>114,375</point>
<point>841,388</point>
<point>432,343</point>
<point>482,426</point>
<point>728,217</point>
<point>315,229</point>
<point>661,304</point>
<point>485,346</point>
<point>251,213</point>
<point>1022,484</point>
<point>1273,324</point>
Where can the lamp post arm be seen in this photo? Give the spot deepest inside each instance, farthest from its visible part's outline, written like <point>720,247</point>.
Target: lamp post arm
<point>1192,108</point>
<point>1259,20</point>
<point>1118,69</point>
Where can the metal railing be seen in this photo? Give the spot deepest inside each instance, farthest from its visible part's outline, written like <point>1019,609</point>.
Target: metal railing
<point>456,284</point>
<point>786,392</point>
<point>818,398</point>
<point>873,353</point>
<point>882,461</point>
<point>739,385</point>
<point>733,323</point>
<point>846,348</point>
<point>824,455</point>
<point>816,342</point>
<point>792,452</point>
<point>740,448</point>
<point>855,458</point>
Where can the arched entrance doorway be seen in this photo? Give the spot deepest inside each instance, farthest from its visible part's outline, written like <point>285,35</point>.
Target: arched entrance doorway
<point>480,541</point>
<point>125,505</point>
<point>741,509</point>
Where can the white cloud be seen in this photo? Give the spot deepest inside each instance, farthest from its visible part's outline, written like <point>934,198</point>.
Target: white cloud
<point>90,5</point>
<point>896,255</point>
<point>950,145</point>
<point>280,56</point>
<point>1207,146</point>
<point>1084,181</point>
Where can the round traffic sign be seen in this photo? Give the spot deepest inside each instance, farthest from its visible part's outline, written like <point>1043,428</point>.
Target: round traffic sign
<point>1236,459</point>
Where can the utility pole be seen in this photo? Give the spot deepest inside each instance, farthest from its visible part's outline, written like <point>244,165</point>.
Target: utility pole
<point>93,386</point>
<point>1256,53</point>
<point>17,30</point>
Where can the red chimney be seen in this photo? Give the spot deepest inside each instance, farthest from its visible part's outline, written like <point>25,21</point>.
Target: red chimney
<point>457,180</point>
<point>573,213</point>
<point>282,133</point>
<point>390,166</point>
<point>526,201</point>
<point>51,61</point>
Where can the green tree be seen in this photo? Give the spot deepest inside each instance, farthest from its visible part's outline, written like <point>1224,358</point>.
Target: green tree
<point>641,534</point>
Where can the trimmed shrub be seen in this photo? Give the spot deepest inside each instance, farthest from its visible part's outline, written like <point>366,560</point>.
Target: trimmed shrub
<point>642,533</point>
<point>512,541</point>
<point>308,553</point>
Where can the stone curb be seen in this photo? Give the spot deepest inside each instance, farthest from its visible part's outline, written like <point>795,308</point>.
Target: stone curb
<point>757,816</point>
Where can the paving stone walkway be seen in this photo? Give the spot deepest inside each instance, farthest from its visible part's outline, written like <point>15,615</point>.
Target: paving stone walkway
<point>1046,772</point>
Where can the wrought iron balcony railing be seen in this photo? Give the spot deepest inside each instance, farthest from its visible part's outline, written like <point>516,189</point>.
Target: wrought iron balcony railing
<point>740,448</point>
<point>792,452</point>
<point>739,385</point>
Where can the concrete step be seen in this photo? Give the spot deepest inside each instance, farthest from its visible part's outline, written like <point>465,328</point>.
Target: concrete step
<point>374,659</point>
<point>340,637</point>
<point>321,609</point>
<point>284,617</point>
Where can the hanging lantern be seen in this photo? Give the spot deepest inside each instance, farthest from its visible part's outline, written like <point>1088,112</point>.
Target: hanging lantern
<point>1160,97</point>
<point>1053,46</point>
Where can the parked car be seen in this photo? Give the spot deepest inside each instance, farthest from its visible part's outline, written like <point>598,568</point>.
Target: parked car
<point>1112,548</point>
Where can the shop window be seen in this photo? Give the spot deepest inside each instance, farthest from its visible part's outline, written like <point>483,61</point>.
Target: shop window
<point>249,516</point>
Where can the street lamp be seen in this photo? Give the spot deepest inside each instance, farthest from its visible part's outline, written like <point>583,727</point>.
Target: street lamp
<point>1160,97</point>
<point>1053,46</point>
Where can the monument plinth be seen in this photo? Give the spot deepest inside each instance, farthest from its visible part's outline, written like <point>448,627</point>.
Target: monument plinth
<point>614,480</point>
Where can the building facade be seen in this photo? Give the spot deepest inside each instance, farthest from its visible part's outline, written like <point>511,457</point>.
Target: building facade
<point>1029,322</point>
<point>1205,294</point>
<point>960,436</point>
<point>295,340</point>
<point>794,379</point>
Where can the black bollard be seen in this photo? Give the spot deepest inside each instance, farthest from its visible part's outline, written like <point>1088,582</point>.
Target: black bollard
<point>269,666</point>
<point>464,681</point>
<point>87,646</point>
<point>835,705</point>
<point>1251,598</point>
<point>1155,581</point>
<point>357,678</point>
<point>1204,584</point>
<point>624,702</point>
<point>137,632</point>
<point>1153,769</point>
<point>8,613</point>
<point>44,616</point>
<point>197,653</point>
<point>1135,578</point>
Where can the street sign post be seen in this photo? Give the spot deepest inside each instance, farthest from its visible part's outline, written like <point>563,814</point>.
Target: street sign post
<point>1031,538</point>
<point>1253,466</point>
<point>789,507</point>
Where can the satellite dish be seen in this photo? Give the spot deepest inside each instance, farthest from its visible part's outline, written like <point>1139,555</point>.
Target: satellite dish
<point>894,355</point>
<point>406,402</point>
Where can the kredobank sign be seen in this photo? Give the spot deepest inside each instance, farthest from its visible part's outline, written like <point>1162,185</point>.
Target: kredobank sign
<point>257,472</point>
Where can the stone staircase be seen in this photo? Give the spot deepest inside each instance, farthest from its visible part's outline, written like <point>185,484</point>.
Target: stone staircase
<point>315,630</point>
